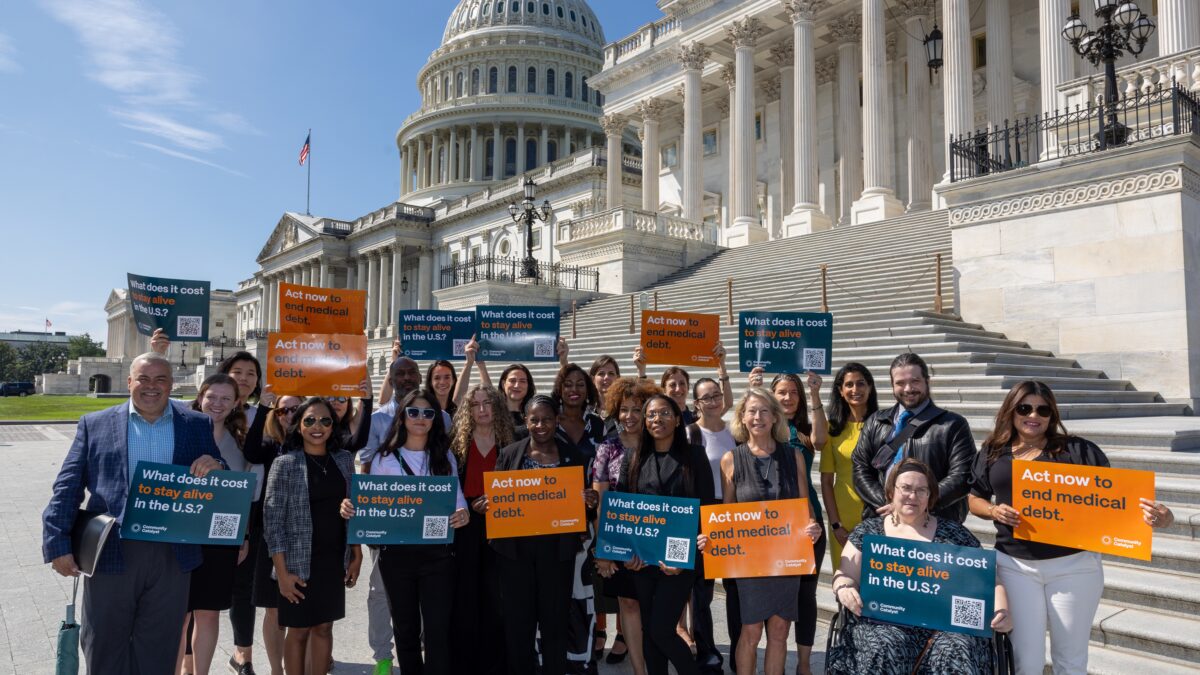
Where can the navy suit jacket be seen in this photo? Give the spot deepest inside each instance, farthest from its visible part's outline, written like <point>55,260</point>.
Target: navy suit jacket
<point>99,461</point>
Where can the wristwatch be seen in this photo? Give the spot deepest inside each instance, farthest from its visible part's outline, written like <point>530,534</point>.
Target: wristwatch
<point>835,526</point>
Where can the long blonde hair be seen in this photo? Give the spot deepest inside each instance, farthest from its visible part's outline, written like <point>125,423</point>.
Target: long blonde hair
<point>779,431</point>
<point>464,424</point>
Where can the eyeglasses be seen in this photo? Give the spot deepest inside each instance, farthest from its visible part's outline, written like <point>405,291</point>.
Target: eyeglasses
<point>1026,410</point>
<point>324,421</point>
<point>286,411</point>
<point>414,412</point>
<point>710,399</point>
<point>660,414</point>
<point>337,399</point>
<point>909,490</point>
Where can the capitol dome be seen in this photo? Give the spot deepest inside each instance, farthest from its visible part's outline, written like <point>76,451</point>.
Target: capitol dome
<point>506,92</point>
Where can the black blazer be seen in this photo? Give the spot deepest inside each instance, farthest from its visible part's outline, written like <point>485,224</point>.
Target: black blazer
<point>510,459</point>
<point>694,458</point>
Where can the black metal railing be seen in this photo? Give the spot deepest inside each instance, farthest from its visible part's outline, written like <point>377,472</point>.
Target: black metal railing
<point>229,342</point>
<point>260,333</point>
<point>1169,111</point>
<point>514,270</point>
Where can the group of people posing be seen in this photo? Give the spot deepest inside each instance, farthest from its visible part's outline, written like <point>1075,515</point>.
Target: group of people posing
<point>539,604</point>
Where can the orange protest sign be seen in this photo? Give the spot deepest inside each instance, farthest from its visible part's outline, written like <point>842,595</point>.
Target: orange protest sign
<point>1087,507</point>
<point>757,539</point>
<point>321,310</point>
<point>307,364</point>
<point>680,338</point>
<point>535,501</point>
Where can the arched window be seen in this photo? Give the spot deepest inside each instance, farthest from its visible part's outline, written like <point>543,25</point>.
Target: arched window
<point>486,7</point>
<point>569,85</point>
<point>531,154</point>
<point>530,7</point>
<point>546,8</point>
<point>500,7</point>
<point>510,157</point>
<point>512,79</point>
<point>599,99</point>
<point>531,80</point>
<point>458,85</point>
<point>446,88</point>
<point>516,6</point>
<point>550,82</point>
<point>493,80</point>
<point>560,12</point>
<point>552,151</point>
<point>583,89</point>
<point>475,81</point>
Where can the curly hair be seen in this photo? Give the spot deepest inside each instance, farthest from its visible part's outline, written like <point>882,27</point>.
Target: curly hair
<point>463,429</point>
<point>779,431</point>
<point>624,388</point>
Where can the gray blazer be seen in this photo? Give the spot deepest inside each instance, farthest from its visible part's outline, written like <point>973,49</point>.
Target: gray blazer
<point>287,518</point>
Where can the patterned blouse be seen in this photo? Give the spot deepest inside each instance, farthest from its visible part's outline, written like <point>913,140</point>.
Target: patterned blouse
<point>607,466</point>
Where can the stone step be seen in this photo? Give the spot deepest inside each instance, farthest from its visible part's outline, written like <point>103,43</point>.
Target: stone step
<point>1179,463</point>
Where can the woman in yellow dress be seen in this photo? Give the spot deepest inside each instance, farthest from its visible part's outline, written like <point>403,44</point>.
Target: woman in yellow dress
<point>851,400</point>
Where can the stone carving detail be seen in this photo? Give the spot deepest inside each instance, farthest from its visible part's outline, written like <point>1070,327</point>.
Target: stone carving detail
<point>1069,197</point>
<point>693,56</point>
<point>771,89</point>
<point>847,28</point>
<point>826,69</point>
<point>803,10</point>
<point>784,54</point>
<point>728,74</point>
<point>651,108</point>
<point>680,91</point>
<point>723,106</point>
<point>744,32</point>
<point>613,125</point>
<point>891,46</point>
<point>911,8</point>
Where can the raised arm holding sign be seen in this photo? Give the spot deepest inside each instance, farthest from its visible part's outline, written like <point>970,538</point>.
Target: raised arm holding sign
<point>178,306</point>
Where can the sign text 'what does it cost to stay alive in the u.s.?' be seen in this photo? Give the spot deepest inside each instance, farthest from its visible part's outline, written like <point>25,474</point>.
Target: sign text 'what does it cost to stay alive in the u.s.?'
<point>178,306</point>
<point>167,503</point>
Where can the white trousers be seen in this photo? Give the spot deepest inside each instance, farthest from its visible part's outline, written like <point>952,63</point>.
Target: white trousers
<point>1061,594</point>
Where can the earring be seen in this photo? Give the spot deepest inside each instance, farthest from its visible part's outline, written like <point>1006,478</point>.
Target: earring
<point>926,519</point>
<point>895,518</point>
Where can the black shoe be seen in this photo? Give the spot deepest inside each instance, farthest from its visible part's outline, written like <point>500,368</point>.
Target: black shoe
<point>243,669</point>
<point>614,658</point>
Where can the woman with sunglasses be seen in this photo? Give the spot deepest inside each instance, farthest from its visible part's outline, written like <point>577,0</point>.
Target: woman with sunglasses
<point>264,444</point>
<point>1049,586</point>
<point>419,579</point>
<point>481,428</point>
<point>851,400</point>
<point>212,582</point>
<point>306,536</point>
<point>536,572</point>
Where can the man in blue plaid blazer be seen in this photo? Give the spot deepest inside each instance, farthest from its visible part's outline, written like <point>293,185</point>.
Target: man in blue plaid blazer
<point>133,607</point>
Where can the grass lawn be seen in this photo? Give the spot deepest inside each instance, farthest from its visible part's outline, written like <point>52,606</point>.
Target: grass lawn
<point>41,407</point>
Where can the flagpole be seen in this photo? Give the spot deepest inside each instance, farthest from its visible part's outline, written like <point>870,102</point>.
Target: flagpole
<point>308,198</point>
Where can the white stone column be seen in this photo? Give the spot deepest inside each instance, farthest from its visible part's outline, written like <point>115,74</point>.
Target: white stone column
<point>1178,25</point>
<point>464,160</point>
<point>692,57</point>
<point>476,155</point>
<point>846,31</point>
<point>266,317</point>
<point>729,74</point>
<point>425,280</point>
<point>404,155</point>
<point>805,212</point>
<point>783,54</point>
<point>614,129</point>
<point>360,276</point>
<point>743,33</point>
<point>566,148</point>
<point>920,132</point>
<point>323,276</point>
<point>1000,106</point>
<point>650,110</point>
<point>497,152</point>
<point>397,294</point>
<point>878,200</point>
<point>305,275</point>
<point>544,146</point>
<point>421,163</point>
<point>452,157</point>
<point>435,160</point>
<point>372,290</point>
<point>385,285</point>
<point>1055,59</point>
<point>520,149</point>
<point>957,92</point>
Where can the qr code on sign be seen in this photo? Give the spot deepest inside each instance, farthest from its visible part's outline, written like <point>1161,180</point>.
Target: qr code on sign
<point>224,525</point>
<point>966,612</point>
<point>435,527</point>
<point>543,347</point>
<point>678,550</point>
<point>814,359</point>
<point>189,326</point>
<point>459,347</point>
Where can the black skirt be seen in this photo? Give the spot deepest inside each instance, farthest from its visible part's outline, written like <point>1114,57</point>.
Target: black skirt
<point>620,584</point>
<point>212,582</point>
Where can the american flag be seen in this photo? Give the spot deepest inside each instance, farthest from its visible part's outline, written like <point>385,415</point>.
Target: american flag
<point>304,150</point>
<point>48,324</point>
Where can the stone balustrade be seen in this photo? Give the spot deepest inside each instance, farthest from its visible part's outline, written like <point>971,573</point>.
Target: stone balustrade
<point>1142,76</point>
<point>647,222</point>
<point>644,39</point>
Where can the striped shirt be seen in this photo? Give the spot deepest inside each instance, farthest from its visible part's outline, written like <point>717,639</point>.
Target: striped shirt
<point>150,442</point>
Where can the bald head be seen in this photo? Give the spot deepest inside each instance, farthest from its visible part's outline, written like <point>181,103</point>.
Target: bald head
<point>150,384</point>
<point>404,376</point>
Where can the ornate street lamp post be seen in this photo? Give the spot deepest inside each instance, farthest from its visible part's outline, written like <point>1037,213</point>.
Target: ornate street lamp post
<point>528,213</point>
<point>223,341</point>
<point>1124,28</point>
<point>933,50</point>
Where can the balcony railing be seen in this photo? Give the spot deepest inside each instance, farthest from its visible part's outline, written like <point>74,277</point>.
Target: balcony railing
<point>512,270</point>
<point>1139,117</point>
<point>260,333</point>
<point>230,343</point>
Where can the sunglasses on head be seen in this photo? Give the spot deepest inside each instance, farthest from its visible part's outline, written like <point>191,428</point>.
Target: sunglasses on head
<point>286,411</point>
<point>337,399</point>
<point>1025,410</point>
<point>323,421</point>
<point>414,412</point>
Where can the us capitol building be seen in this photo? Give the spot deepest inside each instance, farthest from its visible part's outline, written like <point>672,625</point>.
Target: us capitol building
<point>730,122</point>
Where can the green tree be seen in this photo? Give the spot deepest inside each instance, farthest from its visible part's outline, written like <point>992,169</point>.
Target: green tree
<point>38,358</point>
<point>84,345</point>
<point>8,362</point>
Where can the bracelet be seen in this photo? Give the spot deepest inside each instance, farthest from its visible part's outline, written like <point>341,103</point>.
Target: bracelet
<point>819,408</point>
<point>723,378</point>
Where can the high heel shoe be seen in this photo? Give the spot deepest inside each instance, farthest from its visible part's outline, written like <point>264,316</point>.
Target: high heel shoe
<point>613,657</point>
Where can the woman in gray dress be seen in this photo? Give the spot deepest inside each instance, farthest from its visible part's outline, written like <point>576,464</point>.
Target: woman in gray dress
<point>764,466</point>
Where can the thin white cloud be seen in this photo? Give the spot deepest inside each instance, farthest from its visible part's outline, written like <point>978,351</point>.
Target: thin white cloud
<point>235,123</point>
<point>191,158</point>
<point>168,129</point>
<point>8,61</point>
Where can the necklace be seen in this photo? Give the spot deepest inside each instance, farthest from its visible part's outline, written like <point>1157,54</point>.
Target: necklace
<point>323,466</point>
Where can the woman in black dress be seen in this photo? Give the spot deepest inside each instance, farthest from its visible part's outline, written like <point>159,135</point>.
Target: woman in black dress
<point>306,535</point>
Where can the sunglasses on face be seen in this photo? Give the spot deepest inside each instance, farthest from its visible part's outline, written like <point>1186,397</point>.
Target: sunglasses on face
<point>1026,410</point>
<point>337,399</point>
<point>414,412</point>
<point>311,421</point>
<point>286,411</point>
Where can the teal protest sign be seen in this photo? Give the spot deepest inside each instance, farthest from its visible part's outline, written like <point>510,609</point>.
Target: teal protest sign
<point>655,529</point>
<point>937,586</point>
<point>178,306</point>
<point>785,342</point>
<point>402,509</point>
<point>430,335</point>
<point>168,504</point>
<point>516,334</point>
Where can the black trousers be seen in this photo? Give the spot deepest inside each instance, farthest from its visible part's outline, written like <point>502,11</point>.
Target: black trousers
<point>241,613</point>
<point>708,658</point>
<point>477,616</point>
<point>733,619</point>
<point>419,581</point>
<point>806,625</point>
<point>661,599</point>
<point>535,590</point>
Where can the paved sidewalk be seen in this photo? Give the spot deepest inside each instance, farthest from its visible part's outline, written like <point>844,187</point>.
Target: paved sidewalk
<point>33,598</point>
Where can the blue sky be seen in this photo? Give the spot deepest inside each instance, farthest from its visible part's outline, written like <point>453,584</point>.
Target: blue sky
<point>162,137</point>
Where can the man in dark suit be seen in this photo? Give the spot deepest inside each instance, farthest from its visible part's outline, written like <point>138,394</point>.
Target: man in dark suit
<point>133,606</point>
<point>939,438</point>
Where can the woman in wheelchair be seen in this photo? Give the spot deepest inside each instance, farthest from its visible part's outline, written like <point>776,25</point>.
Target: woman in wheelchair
<point>877,648</point>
